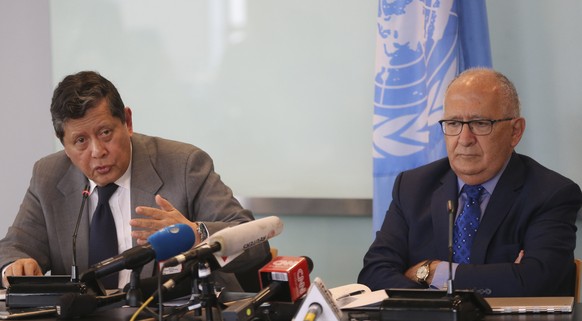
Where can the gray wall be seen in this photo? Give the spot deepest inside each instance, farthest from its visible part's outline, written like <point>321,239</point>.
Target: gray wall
<point>316,56</point>
<point>25,93</point>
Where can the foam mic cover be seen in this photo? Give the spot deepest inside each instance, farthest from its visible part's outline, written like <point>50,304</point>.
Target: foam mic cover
<point>232,240</point>
<point>236,239</point>
<point>172,240</point>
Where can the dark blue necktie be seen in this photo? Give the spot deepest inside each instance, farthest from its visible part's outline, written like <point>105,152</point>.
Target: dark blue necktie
<point>466,224</point>
<point>103,234</point>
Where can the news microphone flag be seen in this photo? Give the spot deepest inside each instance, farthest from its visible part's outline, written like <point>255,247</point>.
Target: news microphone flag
<point>420,47</point>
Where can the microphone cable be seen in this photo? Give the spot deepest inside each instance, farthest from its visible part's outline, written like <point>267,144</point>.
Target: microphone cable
<point>142,307</point>
<point>149,300</point>
<point>159,291</point>
<point>145,304</point>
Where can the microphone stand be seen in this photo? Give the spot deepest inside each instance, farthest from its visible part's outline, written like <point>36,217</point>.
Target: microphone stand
<point>208,297</point>
<point>74,267</point>
<point>195,302</point>
<point>134,296</point>
<point>203,293</point>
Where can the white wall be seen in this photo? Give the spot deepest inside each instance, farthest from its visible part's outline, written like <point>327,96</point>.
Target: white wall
<point>278,92</point>
<point>537,44</point>
<point>25,91</point>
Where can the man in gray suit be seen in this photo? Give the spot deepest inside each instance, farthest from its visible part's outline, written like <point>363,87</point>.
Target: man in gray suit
<point>160,183</point>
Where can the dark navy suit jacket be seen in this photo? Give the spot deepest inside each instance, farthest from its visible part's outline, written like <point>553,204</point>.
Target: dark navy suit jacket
<point>532,208</point>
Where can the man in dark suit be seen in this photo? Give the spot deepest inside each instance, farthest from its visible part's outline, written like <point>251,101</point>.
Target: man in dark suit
<point>161,182</point>
<point>525,213</point>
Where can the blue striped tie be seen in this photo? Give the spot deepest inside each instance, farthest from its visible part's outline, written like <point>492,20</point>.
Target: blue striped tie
<point>467,224</point>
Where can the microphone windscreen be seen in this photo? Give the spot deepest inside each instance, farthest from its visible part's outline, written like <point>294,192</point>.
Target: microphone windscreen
<point>172,240</point>
<point>309,263</point>
<point>236,239</point>
<point>72,305</point>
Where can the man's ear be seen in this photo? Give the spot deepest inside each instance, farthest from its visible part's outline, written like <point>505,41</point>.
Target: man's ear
<point>517,130</point>
<point>128,120</point>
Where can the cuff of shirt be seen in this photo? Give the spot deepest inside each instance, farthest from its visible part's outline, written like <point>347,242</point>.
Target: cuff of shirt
<point>4,273</point>
<point>441,275</point>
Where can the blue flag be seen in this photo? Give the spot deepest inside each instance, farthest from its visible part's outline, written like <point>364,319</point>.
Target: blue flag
<point>421,46</point>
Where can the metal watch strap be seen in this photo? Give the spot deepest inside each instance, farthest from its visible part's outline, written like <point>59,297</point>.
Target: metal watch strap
<point>202,231</point>
<point>427,265</point>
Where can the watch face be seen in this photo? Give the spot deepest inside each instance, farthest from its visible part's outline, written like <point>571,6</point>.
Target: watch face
<point>422,272</point>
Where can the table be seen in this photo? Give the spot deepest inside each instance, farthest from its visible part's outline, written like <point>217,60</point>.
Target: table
<point>125,313</point>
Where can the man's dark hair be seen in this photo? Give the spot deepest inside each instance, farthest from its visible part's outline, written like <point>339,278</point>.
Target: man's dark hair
<point>80,92</point>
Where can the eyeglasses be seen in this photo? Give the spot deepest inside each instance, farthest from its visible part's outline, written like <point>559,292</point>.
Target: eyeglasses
<point>479,127</point>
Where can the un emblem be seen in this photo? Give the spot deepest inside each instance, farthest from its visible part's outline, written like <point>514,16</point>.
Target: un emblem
<point>416,58</point>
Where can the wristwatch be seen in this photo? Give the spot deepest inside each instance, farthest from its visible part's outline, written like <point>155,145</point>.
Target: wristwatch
<point>202,231</point>
<point>423,272</point>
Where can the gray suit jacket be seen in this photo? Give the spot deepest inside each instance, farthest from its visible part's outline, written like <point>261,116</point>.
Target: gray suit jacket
<point>182,173</point>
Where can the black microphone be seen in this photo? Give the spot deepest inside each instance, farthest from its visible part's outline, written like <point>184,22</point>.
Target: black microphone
<point>74,305</point>
<point>74,267</point>
<point>161,245</point>
<point>451,209</point>
<point>285,278</point>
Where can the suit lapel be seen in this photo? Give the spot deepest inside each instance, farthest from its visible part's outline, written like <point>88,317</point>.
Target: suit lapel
<point>498,207</point>
<point>145,183</point>
<point>70,189</point>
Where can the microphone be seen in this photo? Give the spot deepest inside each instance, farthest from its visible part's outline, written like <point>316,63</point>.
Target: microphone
<point>74,267</point>
<point>232,240</point>
<point>285,278</point>
<point>291,273</point>
<point>451,209</point>
<point>74,305</point>
<point>313,312</point>
<point>319,304</point>
<point>161,245</point>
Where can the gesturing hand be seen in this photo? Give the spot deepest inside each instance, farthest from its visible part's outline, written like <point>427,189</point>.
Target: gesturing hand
<point>157,218</point>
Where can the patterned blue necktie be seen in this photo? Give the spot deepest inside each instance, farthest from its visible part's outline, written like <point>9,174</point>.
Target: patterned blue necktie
<point>466,224</point>
<point>103,234</point>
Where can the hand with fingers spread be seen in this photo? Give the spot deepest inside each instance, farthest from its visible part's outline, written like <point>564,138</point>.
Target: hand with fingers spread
<point>156,219</point>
